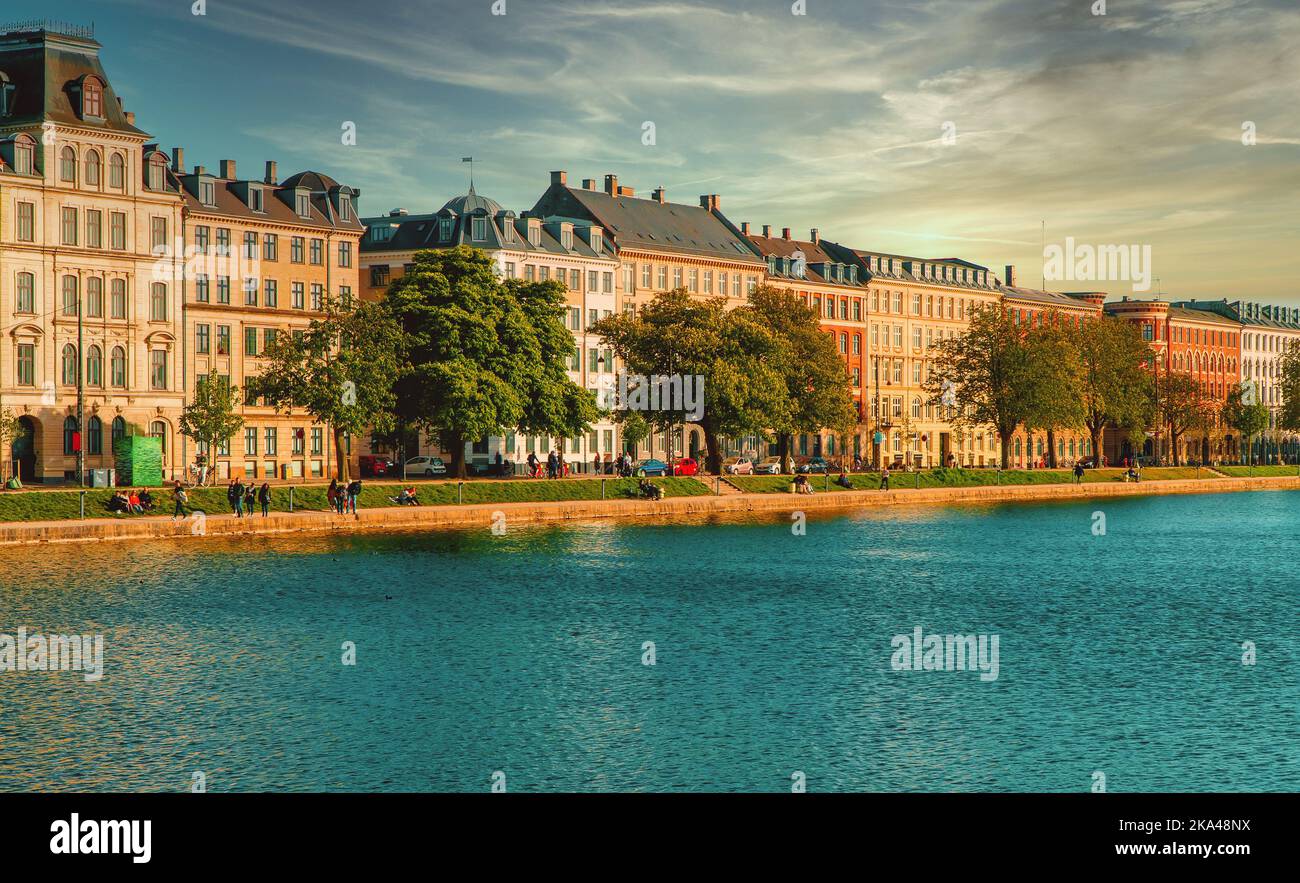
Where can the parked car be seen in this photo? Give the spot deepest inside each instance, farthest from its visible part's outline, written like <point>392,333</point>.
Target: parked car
<point>427,467</point>
<point>813,464</point>
<point>375,467</point>
<point>738,466</point>
<point>768,466</point>
<point>685,466</point>
<point>1091,463</point>
<point>650,466</point>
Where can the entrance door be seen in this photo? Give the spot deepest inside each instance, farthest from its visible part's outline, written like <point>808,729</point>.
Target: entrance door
<point>25,449</point>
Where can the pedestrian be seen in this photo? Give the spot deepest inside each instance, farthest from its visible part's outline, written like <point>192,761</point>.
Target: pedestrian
<point>595,464</point>
<point>332,495</point>
<point>250,498</point>
<point>884,478</point>
<point>561,468</point>
<point>354,491</point>
<point>178,493</point>
<point>264,497</point>
<point>1078,472</point>
<point>551,464</point>
<point>239,498</point>
<point>230,496</point>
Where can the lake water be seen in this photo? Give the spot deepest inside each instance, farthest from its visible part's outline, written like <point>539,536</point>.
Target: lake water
<point>1119,653</point>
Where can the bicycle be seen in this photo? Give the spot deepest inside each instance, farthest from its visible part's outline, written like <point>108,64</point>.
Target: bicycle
<point>196,476</point>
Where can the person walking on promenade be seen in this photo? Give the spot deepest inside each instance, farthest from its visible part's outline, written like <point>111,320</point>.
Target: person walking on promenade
<point>501,466</point>
<point>595,464</point>
<point>178,493</point>
<point>884,478</point>
<point>354,491</point>
<point>238,491</point>
<point>250,499</point>
<point>1078,472</point>
<point>230,495</point>
<point>550,464</point>
<point>332,495</point>
<point>264,497</point>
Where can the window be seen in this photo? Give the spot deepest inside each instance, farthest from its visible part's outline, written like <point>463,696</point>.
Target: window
<point>250,292</point>
<point>223,340</point>
<point>223,289</point>
<point>93,167</point>
<point>26,300</point>
<point>69,373</point>
<point>94,229</point>
<point>24,163</point>
<point>94,436</point>
<point>345,254</point>
<point>70,295</point>
<point>26,364</point>
<point>117,298</point>
<point>345,297</point>
<point>119,430</point>
<point>117,371</point>
<point>479,228</point>
<point>116,171</point>
<point>95,297</point>
<point>92,98</point>
<point>269,336</point>
<point>26,222</point>
<point>317,440</point>
<point>69,436</point>
<point>296,245</point>
<point>158,369</point>
<point>95,366</point>
<point>68,165</point>
<point>379,276</point>
<point>270,247</point>
<point>158,235</point>
<point>318,251</point>
<point>158,302</point>
<point>299,296</point>
<point>156,173</point>
<point>270,293</point>
<point>317,296</point>
<point>250,341</point>
<point>270,438</point>
<point>303,204</point>
<point>202,339</point>
<point>69,230</point>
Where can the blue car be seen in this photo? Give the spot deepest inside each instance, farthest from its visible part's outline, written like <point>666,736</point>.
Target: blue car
<point>651,467</point>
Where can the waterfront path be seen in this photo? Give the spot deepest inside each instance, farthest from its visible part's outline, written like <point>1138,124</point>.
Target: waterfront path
<point>484,515</point>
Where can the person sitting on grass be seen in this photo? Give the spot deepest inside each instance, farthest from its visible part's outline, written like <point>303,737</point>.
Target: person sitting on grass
<point>119,503</point>
<point>801,485</point>
<point>133,503</point>
<point>843,480</point>
<point>146,500</point>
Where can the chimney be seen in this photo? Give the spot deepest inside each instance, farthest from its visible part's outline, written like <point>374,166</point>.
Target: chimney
<point>815,237</point>
<point>611,185</point>
<point>785,233</point>
<point>1010,279</point>
<point>588,183</point>
<point>626,191</point>
<point>561,178</point>
<point>658,195</point>
<point>178,160</point>
<point>767,231</point>
<point>228,169</point>
<point>200,170</point>
<point>709,202</point>
<point>744,228</point>
<point>130,118</point>
<point>270,173</point>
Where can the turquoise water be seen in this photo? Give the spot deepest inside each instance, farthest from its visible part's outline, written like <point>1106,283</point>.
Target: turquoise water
<point>523,654</point>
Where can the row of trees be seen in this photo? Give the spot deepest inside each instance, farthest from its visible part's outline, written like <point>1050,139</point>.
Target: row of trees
<point>456,352</point>
<point>1061,375</point>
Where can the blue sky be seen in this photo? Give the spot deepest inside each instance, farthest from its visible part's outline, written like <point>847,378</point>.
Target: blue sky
<point>1117,129</point>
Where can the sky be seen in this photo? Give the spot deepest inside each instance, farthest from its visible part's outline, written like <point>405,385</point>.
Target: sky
<point>977,129</point>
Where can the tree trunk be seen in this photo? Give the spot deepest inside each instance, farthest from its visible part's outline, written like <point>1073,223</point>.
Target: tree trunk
<point>1173,445</point>
<point>1005,442</point>
<point>456,443</point>
<point>1051,449</point>
<point>784,443</point>
<point>341,454</point>
<point>715,452</point>
<point>1094,435</point>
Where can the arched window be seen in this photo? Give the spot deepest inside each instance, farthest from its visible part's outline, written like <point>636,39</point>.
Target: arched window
<point>116,171</point>
<point>92,98</point>
<point>94,436</point>
<point>68,165</point>
<point>158,430</point>
<point>119,430</point>
<point>916,408</point>
<point>69,436</point>
<point>117,375</point>
<point>69,365</point>
<point>155,179</point>
<point>95,367</point>
<point>93,166</point>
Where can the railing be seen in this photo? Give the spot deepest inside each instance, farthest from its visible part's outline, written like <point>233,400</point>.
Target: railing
<point>31,25</point>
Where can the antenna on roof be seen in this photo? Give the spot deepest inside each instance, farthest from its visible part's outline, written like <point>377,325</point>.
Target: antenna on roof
<point>470,160</point>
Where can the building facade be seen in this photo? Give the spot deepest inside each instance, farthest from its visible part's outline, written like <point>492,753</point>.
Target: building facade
<point>88,301</point>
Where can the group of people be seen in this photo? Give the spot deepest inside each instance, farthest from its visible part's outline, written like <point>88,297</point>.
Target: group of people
<point>246,497</point>
<point>134,502</point>
<point>343,497</point>
<point>406,497</point>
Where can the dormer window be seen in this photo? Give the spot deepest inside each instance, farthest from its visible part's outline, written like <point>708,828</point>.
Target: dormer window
<point>207,193</point>
<point>256,199</point>
<point>507,230</point>
<point>302,203</point>
<point>7,93</point>
<point>479,228</point>
<point>566,239</point>
<point>597,241</point>
<point>535,235</point>
<point>92,98</point>
<point>155,172</point>
<point>444,229</point>
<point>345,206</point>
<point>24,156</point>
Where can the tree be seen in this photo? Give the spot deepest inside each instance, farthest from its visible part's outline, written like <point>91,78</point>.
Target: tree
<point>1249,420</point>
<point>1113,377</point>
<point>1055,395</point>
<point>340,370</point>
<point>1288,417</point>
<point>734,355</point>
<point>992,377</point>
<point>10,428</point>
<point>634,427</point>
<point>210,418</point>
<point>816,378</point>
<point>483,355</point>
<point>1182,408</point>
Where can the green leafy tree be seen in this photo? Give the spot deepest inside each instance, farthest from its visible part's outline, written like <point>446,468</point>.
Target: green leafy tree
<point>1248,420</point>
<point>10,428</point>
<point>1183,408</point>
<point>634,428</point>
<point>1055,396</point>
<point>484,355</point>
<point>1288,417</point>
<point>210,418</point>
<point>991,376</point>
<point>340,370</point>
<point>816,379</point>
<point>1114,380</point>
<point>733,352</point>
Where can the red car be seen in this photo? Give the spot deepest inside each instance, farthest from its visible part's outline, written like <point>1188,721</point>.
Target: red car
<point>685,466</point>
<point>375,467</point>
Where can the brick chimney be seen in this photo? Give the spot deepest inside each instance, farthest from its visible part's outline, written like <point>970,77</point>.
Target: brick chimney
<point>561,178</point>
<point>178,160</point>
<point>611,185</point>
<point>785,233</point>
<point>625,191</point>
<point>767,231</point>
<point>815,237</point>
<point>130,117</point>
<point>228,169</point>
<point>744,228</point>
<point>270,173</point>
<point>588,183</point>
<point>709,202</point>
<point>1010,275</point>
<point>658,195</point>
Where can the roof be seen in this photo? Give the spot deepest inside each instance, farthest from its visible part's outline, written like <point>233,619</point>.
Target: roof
<point>1186,315</point>
<point>903,268</point>
<point>1247,313</point>
<point>230,202</point>
<point>815,258</point>
<point>46,66</point>
<point>314,181</point>
<point>471,202</point>
<point>648,223</point>
<point>1049,299</point>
